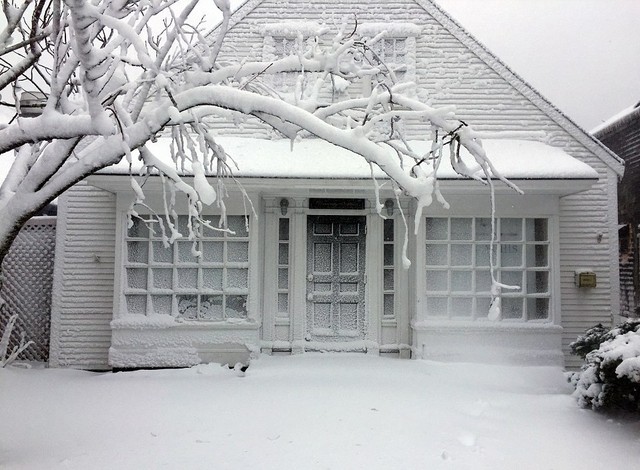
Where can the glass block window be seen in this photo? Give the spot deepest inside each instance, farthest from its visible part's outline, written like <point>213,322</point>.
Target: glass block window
<point>458,278</point>
<point>388,277</point>
<point>284,257</point>
<point>174,280</point>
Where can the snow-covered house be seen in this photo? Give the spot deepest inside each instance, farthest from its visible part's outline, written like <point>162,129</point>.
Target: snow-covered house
<point>318,268</point>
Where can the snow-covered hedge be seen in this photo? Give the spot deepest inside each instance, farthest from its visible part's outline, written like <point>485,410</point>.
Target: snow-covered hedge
<point>610,377</point>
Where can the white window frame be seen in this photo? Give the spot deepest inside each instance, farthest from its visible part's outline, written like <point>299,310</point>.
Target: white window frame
<point>552,269</point>
<point>200,264</point>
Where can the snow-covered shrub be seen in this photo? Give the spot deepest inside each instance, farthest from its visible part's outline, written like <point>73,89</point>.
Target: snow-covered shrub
<point>6,356</point>
<point>610,378</point>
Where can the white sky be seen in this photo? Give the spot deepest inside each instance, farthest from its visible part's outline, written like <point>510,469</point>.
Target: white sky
<point>583,55</point>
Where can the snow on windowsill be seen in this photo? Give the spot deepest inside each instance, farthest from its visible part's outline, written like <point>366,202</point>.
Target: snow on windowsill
<point>293,29</point>
<point>157,322</point>
<point>483,325</point>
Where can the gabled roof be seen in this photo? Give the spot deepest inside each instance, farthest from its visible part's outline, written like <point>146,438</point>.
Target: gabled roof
<point>480,50</point>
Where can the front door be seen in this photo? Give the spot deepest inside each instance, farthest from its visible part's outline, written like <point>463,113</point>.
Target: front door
<point>335,278</point>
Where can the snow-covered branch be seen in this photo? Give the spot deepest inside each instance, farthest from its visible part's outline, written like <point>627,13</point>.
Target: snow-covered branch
<point>121,73</point>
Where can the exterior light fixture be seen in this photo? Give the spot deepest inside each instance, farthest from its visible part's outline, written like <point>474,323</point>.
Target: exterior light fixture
<point>388,205</point>
<point>284,206</point>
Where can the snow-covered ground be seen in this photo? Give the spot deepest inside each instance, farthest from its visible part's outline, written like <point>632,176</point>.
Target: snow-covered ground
<point>338,411</point>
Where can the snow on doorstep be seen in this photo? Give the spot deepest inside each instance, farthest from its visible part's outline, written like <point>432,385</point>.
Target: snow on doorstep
<point>314,158</point>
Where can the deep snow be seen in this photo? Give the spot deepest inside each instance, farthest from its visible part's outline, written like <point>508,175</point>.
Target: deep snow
<point>341,411</point>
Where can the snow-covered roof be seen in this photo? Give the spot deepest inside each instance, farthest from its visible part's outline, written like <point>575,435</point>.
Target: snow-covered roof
<point>315,158</point>
<point>616,118</point>
<point>479,49</point>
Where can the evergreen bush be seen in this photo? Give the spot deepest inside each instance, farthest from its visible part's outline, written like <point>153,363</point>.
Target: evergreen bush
<point>610,377</point>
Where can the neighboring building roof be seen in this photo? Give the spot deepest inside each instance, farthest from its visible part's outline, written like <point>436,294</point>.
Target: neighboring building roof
<point>607,156</point>
<point>315,158</point>
<point>616,121</point>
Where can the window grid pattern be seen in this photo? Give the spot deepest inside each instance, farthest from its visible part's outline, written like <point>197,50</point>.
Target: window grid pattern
<point>388,269</point>
<point>284,257</point>
<point>458,278</point>
<point>173,280</point>
<point>284,47</point>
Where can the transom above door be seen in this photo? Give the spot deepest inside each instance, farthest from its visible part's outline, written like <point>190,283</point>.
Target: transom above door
<point>335,278</point>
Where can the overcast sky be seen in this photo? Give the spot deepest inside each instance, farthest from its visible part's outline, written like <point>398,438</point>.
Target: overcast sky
<point>583,55</point>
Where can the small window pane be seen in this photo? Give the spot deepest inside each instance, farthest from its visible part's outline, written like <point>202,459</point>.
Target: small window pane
<point>162,278</point>
<point>388,230</point>
<point>510,230</point>
<point>461,306</point>
<point>482,306</point>
<point>236,306</point>
<point>437,306</point>
<point>283,303</point>
<point>483,229</point>
<point>511,308</point>
<point>437,255</point>
<point>212,252</point>
<point>161,304</point>
<point>283,229</point>
<point>537,282</point>
<point>212,279</point>
<point>138,229</point>
<point>437,281</point>
<point>510,255</point>
<point>283,278</point>
<point>436,228</point>
<point>137,278</point>
<point>461,281</point>
<point>388,254</point>
<point>214,222</point>
<point>183,225</point>
<point>388,305</point>
<point>512,278</point>
<point>138,252</point>
<point>283,253</point>
<point>136,304</point>
<point>188,306</point>
<point>237,278</point>
<point>388,279</point>
<point>482,255</point>
<point>184,252</point>
<point>460,229</point>
<point>537,308</point>
<point>238,252</point>
<point>537,230</point>
<point>483,281</point>
<point>537,256</point>
<point>461,255</point>
<point>187,278</point>
<point>236,223</point>
<point>162,254</point>
<point>211,307</point>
